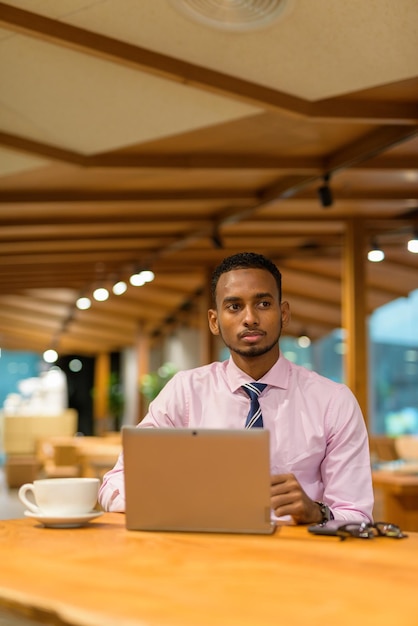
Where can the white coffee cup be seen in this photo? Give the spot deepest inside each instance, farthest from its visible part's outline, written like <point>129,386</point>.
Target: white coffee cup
<point>60,497</point>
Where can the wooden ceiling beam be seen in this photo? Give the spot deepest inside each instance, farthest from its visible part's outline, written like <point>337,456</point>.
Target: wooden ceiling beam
<point>16,318</point>
<point>117,257</point>
<point>90,331</point>
<point>69,246</point>
<point>388,163</point>
<point>28,146</point>
<point>102,230</point>
<point>287,189</point>
<point>66,343</point>
<point>82,217</point>
<point>369,146</point>
<point>207,161</point>
<point>34,196</point>
<point>200,160</point>
<point>33,306</point>
<point>193,160</point>
<point>364,111</point>
<point>356,196</point>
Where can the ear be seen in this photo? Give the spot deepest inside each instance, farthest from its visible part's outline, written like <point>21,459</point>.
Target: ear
<point>213,321</point>
<point>285,309</point>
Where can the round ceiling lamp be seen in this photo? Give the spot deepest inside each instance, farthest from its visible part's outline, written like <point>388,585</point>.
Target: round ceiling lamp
<point>235,15</point>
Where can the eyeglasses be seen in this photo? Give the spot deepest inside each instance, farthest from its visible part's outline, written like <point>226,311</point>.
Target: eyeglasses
<point>368,531</point>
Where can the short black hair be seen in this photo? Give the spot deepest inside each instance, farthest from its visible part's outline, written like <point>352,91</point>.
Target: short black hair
<point>244,260</point>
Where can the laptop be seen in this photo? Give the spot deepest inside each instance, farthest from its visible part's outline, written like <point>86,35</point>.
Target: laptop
<point>197,480</point>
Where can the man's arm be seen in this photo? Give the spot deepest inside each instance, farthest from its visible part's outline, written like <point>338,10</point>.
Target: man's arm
<point>112,489</point>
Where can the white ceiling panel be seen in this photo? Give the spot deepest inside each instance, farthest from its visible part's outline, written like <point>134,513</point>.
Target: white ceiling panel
<point>90,105</point>
<point>292,55</point>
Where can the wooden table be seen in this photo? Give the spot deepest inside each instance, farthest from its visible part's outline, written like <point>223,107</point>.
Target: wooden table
<point>99,458</point>
<point>400,498</point>
<point>86,456</point>
<point>104,575</point>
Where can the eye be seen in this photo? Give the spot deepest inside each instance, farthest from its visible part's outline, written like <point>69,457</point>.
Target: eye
<point>265,304</point>
<point>234,306</point>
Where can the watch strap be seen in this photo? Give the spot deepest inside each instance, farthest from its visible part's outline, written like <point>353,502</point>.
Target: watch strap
<point>326,512</point>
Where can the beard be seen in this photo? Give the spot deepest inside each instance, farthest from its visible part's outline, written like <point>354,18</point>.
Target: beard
<point>252,351</point>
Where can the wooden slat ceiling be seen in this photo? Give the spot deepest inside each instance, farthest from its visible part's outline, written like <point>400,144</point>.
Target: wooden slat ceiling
<point>133,137</point>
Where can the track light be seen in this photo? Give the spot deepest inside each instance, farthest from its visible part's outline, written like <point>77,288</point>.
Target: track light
<point>83,303</point>
<point>375,254</point>
<point>101,294</point>
<point>148,276</point>
<point>325,193</point>
<point>140,278</point>
<point>137,280</point>
<point>413,242</point>
<point>119,288</point>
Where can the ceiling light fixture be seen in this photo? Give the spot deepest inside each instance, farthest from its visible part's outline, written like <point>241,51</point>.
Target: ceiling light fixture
<point>325,193</point>
<point>50,356</point>
<point>413,243</point>
<point>375,254</point>
<point>235,15</point>
<point>303,340</point>
<point>119,288</point>
<point>101,294</point>
<point>147,275</point>
<point>137,280</point>
<point>83,303</point>
<point>140,278</point>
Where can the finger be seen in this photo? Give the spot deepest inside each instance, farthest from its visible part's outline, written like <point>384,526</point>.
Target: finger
<point>278,479</point>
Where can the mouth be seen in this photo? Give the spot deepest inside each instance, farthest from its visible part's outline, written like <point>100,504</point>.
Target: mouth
<point>251,336</point>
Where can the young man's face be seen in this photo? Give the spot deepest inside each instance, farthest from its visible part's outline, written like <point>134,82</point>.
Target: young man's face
<point>248,315</point>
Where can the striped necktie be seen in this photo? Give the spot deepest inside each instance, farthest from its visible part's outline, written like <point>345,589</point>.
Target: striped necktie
<point>254,418</point>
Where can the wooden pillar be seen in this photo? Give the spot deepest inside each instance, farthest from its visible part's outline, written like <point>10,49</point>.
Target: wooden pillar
<point>101,391</point>
<point>143,367</point>
<point>354,312</point>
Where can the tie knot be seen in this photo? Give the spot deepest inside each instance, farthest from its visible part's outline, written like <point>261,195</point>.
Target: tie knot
<point>254,389</point>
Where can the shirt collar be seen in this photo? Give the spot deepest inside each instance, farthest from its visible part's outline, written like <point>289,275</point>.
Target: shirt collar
<point>277,376</point>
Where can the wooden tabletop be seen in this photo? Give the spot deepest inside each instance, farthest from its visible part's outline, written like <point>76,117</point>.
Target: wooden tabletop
<point>396,479</point>
<point>104,575</point>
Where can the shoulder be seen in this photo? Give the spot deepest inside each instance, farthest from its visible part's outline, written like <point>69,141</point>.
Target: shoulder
<point>205,372</point>
<point>310,379</point>
<point>333,399</point>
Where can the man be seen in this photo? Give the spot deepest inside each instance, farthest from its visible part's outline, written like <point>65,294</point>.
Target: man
<point>320,462</point>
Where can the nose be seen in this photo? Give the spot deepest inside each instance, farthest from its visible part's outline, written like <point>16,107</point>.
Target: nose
<point>250,316</point>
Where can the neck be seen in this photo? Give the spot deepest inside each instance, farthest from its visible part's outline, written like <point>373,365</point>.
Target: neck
<point>256,367</point>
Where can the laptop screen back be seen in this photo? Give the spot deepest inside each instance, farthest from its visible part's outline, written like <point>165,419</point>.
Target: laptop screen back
<point>198,480</point>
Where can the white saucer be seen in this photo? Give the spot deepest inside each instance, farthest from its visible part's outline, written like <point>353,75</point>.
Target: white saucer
<point>67,521</point>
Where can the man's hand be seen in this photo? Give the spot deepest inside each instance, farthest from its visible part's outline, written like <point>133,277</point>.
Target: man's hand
<point>288,498</point>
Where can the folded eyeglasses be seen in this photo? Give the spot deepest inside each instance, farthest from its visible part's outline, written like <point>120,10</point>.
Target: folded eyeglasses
<point>366,530</point>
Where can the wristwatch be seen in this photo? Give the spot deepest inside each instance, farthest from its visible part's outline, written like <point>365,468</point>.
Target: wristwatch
<point>326,512</point>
